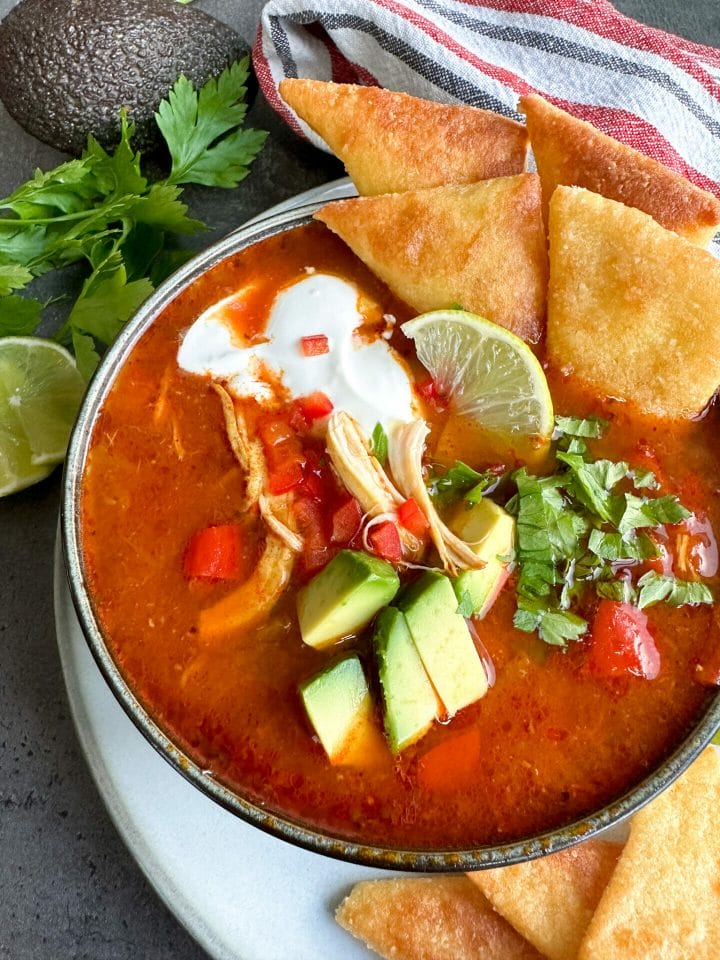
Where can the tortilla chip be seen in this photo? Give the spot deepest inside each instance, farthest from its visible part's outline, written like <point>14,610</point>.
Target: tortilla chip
<point>390,142</point>
<point>430,918</point>
<point>633,309</point>
<point>663,901</point>
<point>572,152</point>
<point>550,901</point>
<point>479,245</point>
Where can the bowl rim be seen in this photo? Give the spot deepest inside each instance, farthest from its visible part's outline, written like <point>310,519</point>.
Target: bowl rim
<point>278,220</point>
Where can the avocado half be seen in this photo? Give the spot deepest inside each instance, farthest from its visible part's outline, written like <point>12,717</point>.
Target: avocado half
<point>68,66</point>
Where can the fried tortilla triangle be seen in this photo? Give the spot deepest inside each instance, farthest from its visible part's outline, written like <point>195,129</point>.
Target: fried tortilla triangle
<point>390,142</point>
<point>633,309</point>
<point>663,900</point>
<point>570,151</point>
<point>443,918</point>
<point>480,246</point>
<point>551,900</point>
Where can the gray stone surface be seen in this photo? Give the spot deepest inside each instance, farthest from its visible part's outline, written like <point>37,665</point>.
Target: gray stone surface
<point>68,887</point>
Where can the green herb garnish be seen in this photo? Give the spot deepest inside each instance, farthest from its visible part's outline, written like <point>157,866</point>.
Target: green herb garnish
<point>654,587</point>
<point>379,444</point>
<point>466,607</point>
<point>591,427</point>
<point>576,528</point>
<point>101,210</point>
<point>459,482</point>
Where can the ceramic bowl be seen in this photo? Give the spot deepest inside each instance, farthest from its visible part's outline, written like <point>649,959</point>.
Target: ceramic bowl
<point>285,828</point>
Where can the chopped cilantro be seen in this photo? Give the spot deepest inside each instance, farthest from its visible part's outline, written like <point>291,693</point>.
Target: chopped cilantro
<point>578,527</point>
<point>591,428</point>
<point>446,487</point>
<point>643,479</point>
<point>644,512</point>
<point>553,626</point>
<point>465,606</point>
<point>621,590</point>
<point>379,444</point>
<point>654,587</point>
<point>593,483</point>
<point>614,546</point>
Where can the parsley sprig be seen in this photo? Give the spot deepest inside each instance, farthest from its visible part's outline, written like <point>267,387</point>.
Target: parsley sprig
<point>101,210</point>
<point>460,482</point>
<point>576,529</point>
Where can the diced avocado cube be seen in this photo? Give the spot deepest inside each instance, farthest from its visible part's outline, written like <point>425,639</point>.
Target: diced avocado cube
<point>344,597</point>
<point>341,709</point>
<point>411,703</point>
<point>490,531</point>
<point>443,640</point>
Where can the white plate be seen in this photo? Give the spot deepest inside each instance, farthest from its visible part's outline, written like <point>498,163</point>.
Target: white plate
<point>242,894</point>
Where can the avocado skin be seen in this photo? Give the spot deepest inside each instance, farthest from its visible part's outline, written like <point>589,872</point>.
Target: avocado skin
<point>68,66</point>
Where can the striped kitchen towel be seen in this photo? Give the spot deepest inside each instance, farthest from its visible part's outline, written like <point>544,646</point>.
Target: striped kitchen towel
<point>654,91</point>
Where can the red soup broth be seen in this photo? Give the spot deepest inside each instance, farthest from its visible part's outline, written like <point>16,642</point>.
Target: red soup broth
<point>549,742</point>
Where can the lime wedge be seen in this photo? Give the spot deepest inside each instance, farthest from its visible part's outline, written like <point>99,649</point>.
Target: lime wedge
<point>490,377</point>
<point>40,392</point>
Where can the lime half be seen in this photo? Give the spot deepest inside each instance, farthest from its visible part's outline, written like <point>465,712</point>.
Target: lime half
<point>490,377</point>
<point>40,392</point>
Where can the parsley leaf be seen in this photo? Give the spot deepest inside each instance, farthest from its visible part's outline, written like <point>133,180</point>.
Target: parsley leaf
<point>593,483</point>
<point>203,129</point>
<point>641,512</point>
<point>575,531</point>
<point>446,487</point>
<point>654,587</point>
<point>592,427</point>
<point>19,316</point>
<point>622,591</point>
<point>643,479</point>
<point>13,276</point>
<point>555,627</point>
<point>466,607</point>
<point>379,444</point>
<point>106,301</point>
<point>614,546</point>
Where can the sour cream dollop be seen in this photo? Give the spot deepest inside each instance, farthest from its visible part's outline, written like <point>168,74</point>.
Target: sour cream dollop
<point>359,374</point>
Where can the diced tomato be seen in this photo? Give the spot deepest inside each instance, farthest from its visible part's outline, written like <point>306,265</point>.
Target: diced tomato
<point>412,518</point>
<point>315,405</point>
<point>315,345</point>
<point>216,553</point>
<point>296,418</point>
<point>274,431</point>
<point>346,521</point>
<point>453,764</point>
<point>385,541</point>
<point>621,642</point>
<point>315,485</point>
<point>286,473</point>
<point>310,517</point>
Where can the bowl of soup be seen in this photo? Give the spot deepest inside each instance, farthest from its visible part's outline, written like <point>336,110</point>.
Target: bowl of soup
<point>276,606</point>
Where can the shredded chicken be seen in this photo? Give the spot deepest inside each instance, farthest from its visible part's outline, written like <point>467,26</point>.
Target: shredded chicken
<point>249,453</point>
<point>255,598</point>
<point>362,475</point>
<point>277,514</point>
<point>161,404</point>
<point>405,451</point>
<point>358,469</point>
